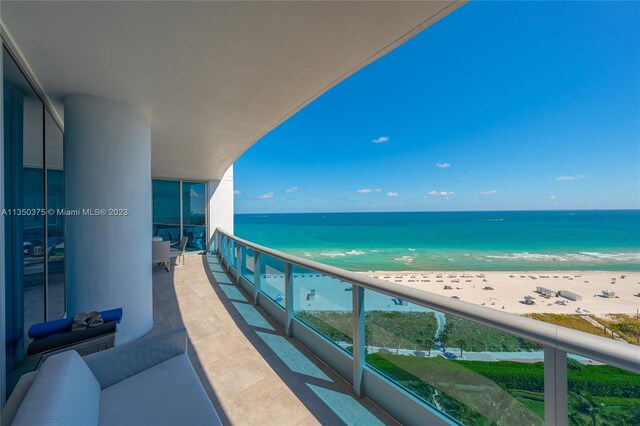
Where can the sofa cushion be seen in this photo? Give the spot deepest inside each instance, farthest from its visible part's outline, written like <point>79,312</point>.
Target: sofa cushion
<point>168,393</point>
<point>64,392</point>
<point>59,340</point>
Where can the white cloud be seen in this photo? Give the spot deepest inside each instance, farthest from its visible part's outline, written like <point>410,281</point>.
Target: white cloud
<point>443,165</point>
<point>381,139</point>
<point>236,192</point>
<point>365,191</point>
<point>392,194</point>
<point>439,193</point>
<point>553,197</point>
<point>293,189</point>
<point>266,196</point>
<point>566,178</point>
<point>377,190</point>
<point>491,192</point>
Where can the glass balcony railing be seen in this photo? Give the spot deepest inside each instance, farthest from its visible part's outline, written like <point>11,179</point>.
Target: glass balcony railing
<point>324,304</point>
<point>455,365</point>
<point>429,359</point>
<point>272,278</point>
<point>247,265</point>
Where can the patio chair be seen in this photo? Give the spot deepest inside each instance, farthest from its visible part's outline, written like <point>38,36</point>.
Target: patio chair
<point>160,254</point>
<point>179,251</point>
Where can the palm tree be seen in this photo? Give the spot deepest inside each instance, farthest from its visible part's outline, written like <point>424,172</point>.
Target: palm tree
<point>589,406</point>
<point>620,419</point>
<point>576,419</point>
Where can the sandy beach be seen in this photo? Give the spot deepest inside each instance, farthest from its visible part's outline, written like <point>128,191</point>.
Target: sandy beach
<point>507,290</point>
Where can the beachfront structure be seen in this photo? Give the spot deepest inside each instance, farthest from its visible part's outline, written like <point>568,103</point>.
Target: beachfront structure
<point>122,121</point>
<point>570,295</point>
<point>545,292</point>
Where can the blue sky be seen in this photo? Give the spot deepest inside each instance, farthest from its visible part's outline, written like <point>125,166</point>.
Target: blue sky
<point>499,106</point>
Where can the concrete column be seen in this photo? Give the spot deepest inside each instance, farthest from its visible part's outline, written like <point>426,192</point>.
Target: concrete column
<point>108,166</point>
<point>220,208</point>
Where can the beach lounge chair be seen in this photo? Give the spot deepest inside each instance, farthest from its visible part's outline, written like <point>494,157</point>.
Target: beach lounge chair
<point>179,251</point>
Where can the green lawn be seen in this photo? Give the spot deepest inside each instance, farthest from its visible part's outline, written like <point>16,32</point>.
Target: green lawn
<point>534,401</point>
<point>405,330</point>
<point>469,336</point>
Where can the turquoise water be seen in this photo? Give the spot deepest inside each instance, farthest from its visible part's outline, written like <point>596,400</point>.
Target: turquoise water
<point>510,240</point>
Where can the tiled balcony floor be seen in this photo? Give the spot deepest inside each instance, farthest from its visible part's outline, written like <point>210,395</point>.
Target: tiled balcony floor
<point>251,371</point>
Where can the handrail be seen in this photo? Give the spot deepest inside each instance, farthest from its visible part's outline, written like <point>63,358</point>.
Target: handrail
<point>618,354</point>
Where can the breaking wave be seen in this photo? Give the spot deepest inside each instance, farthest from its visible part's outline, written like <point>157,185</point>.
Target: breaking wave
<point>586,257</point>
<point>334,254</point>
<point>407,260</point>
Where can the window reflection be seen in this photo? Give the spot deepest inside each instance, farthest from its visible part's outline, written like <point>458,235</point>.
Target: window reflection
<point>194,204</point>
<point>24,234</point>
<point>166,210</point>
<point>174,218</point>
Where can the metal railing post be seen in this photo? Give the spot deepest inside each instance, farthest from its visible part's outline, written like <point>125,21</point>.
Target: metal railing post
<point>556,392</point>
<point>257,262</point>
<point>288,297</point>
<point>358,338</point>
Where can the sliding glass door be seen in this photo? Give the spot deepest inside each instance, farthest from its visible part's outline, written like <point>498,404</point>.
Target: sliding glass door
<point>179,209</point>
<point>166,210</point>
<point>194,218</point>
<point>32,183</point>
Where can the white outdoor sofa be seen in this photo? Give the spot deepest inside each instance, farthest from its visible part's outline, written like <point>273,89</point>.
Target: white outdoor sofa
<point>160,254</point>
<point>145,382</point>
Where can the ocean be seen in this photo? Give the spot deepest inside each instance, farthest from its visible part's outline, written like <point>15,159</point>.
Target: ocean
<point>606,240</point>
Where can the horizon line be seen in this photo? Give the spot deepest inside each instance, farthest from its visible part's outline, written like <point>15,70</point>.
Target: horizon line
<point>444,211</point>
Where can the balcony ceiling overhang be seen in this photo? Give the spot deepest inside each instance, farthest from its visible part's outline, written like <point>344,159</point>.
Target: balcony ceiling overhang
<point>214,77</point>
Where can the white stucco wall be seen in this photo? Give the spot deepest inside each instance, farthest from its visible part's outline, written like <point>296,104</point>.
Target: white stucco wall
<point>221,203</point>
<point>108,166</point>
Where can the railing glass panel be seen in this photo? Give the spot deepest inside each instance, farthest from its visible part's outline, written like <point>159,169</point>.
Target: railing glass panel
<point>248,265</point>
<point>475,374</point>
<point>272,278</point>
<point>600,394</point>
<point>224,247</point>
<point>232,254</point>
<point>325,304</point>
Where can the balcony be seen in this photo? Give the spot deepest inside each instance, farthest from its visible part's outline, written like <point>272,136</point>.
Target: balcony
<point>423,358</point>
<point>251,371</point>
